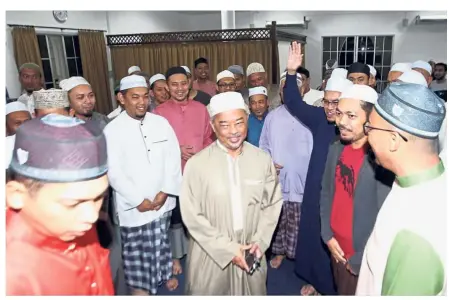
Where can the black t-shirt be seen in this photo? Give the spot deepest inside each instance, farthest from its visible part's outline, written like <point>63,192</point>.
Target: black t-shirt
<point>202,97</point>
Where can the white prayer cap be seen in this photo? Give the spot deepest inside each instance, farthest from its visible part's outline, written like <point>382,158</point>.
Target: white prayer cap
<point>156,77</point>
<point>298,78</point>
<point>413,76</point>
<point>133,69</point>
<point>225,102</point>
<point>254,67</point>
<point>372,70</point>
<point>340,72</point>
<point>337,84</point>
<point>400,67</point>
<point>133,81</point>
<point>260,90</point>
<point>14,107</point>
<point>360,92</point>
<point>187,69</point>
<point>72,82</point>
<point>420,64</point>
<point>224,74</point>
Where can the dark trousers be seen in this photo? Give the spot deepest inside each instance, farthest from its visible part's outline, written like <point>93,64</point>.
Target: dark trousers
<point>345,281</point>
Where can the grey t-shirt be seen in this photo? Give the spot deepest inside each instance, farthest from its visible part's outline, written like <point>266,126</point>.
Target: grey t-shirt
<point>438,86</point>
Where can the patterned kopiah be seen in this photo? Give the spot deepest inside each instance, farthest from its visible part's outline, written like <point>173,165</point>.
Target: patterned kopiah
<point>53,98</point>
<point>413,108</point>
<point>60,149</point>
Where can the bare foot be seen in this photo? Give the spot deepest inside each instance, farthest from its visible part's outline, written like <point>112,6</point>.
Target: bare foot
<point>172,284</point>
<point>309,290</point>
<point>177,268</point>
<point>139,292</point>
<point>276,261</point>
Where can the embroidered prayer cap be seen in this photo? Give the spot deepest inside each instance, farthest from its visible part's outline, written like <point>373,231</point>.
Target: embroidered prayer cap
<point>224,74</point>
<point>413,76</point>
<point>236,70</point>
<point>155,78</point>
<point>254,67</point>
<point>413,108</point>
<point>360,92</point>
<point>52,98</point>
<point>225,102</point>
<point>14,107</point>
<point>260,90</point>
<point>298,78</point>
<point>73,82</point>
<point>187,70</point>
<point>337,84</point>
<point>174,71</point>
<point>58,148</point>
<point>372,70</point>
<point>420,64</point>
<point>339,72</point>
<point>133,81</point>
<point>133,69</point>
<point>359,68</point>
<point>401,67</point>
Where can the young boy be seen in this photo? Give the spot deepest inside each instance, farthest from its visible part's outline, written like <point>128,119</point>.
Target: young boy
<point>59,167</point>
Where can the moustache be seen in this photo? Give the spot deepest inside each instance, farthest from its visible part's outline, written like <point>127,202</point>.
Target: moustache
<point>344,128</point>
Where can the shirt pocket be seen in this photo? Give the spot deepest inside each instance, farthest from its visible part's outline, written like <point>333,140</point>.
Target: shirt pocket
<point>253,191</point>
<point>157,149</point>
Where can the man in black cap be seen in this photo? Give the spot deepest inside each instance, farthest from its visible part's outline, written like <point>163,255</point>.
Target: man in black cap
<point>359,73</point>
<point>406,253</point>
<point>53,202</point>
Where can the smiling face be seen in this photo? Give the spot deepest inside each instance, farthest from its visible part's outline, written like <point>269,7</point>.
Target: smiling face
<point>82,100</point>
<point>330,102</point>
<point>258,105</point>
<point>350,118</point>
<point>178,86</point>
<point>231,128</point>
<point>62,210</point>
<point>135,101</point>
<point>14,120</point>
<point>202,71</point>
<point>159,91</point>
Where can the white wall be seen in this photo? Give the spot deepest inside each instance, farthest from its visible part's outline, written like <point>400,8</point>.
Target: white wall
<point>413,42</point>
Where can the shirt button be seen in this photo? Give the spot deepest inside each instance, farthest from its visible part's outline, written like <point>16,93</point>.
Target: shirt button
<point>71,247</point>
<point>145,136</point>
<point>87,269</point>
<point>93,285</point>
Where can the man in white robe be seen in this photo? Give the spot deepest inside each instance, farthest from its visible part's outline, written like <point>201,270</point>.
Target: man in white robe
<point>230,202</point>
<point>145,172</point>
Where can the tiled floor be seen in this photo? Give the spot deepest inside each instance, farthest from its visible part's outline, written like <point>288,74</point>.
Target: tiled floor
<point>282,281</point>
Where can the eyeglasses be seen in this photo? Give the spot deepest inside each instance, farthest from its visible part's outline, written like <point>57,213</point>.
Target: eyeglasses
<point>328,103</point>
<point>367,128</point>
<point>227,85</point>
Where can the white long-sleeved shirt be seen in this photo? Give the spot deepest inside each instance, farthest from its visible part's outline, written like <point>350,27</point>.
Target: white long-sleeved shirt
<point>144,159</point>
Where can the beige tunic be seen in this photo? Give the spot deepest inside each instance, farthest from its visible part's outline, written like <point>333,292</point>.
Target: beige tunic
<point>226,202</point>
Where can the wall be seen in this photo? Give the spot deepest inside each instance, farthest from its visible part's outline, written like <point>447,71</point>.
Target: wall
<point>413,42</point>
<point>76,19</point>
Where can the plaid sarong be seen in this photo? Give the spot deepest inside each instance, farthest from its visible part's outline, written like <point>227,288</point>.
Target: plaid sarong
<point>147,256</point>
<point>287,232</point>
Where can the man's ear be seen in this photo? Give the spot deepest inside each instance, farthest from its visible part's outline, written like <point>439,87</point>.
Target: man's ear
<point>121,99</point>
<point>16,193</point>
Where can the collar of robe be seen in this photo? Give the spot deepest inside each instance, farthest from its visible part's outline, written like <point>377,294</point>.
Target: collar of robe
<point>225,150</point>
<point>427,175</point>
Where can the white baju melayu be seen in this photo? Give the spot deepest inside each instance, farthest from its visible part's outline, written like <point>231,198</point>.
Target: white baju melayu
<point>144,159</point>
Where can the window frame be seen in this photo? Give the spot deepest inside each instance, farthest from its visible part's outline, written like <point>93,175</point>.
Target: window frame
<point>337,51</point>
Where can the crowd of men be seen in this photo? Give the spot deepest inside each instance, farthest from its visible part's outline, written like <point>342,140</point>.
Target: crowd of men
<point>348,183</point>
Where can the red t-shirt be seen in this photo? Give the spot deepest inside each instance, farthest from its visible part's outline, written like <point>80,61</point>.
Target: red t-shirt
<point>346,173</point>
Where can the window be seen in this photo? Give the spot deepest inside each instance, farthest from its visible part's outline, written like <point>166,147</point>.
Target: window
<point>373,50</point>
<point>61,58</point>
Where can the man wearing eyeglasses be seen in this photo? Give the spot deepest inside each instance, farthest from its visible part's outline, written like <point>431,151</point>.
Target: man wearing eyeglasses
<point>225,82</point>
<point>353,188</point>
<point>406,254</point>
<point>312,261</point>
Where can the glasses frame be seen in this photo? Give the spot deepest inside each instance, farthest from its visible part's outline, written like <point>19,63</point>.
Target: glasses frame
<point>367,128</point>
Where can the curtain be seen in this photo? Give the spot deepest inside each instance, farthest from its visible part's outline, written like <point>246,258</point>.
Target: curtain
<point>26,47</point>
<point>157,58</point>
<point>95,67</point>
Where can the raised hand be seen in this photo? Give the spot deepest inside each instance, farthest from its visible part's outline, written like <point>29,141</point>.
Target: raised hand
<point>295,57</point>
